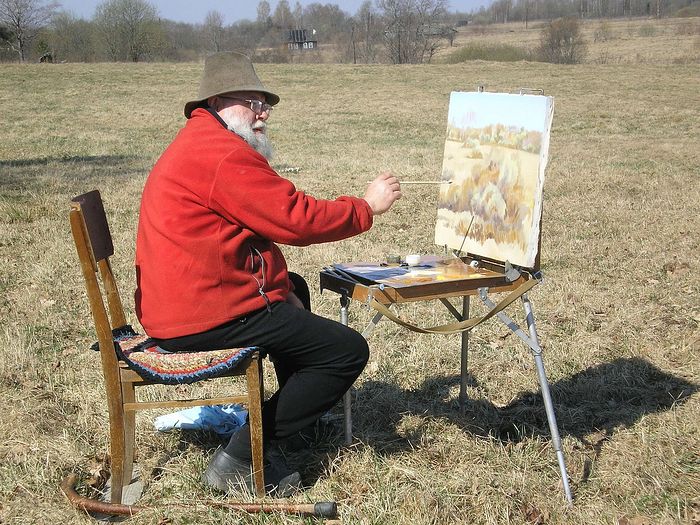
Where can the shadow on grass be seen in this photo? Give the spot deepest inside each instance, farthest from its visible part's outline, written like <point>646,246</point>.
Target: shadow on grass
<point>602,399</point>
<point>99,160</point>
<point>23,174</point>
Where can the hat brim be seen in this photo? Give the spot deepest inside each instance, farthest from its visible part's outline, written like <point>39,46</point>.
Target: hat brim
<point>270,98</point>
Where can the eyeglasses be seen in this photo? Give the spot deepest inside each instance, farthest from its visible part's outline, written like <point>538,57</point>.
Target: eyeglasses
<point>256,106</point>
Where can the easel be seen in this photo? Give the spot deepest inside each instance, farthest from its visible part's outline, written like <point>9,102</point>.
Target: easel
<point>382,285</point>
<point>486,277</point>
<point>474,275</point>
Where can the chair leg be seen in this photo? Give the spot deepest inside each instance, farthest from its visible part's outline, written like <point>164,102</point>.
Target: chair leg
<point>255,393</point>
<point>129,396</point>
<point>117,452</point>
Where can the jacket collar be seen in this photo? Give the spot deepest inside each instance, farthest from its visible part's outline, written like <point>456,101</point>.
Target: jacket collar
<point>214,114</point>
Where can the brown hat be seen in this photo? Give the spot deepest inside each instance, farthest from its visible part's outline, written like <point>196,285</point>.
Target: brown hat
<point>226,72</point>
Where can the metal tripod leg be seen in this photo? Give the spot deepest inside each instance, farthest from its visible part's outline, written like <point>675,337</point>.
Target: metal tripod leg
<point>347,397</point>
<point>546,397</point>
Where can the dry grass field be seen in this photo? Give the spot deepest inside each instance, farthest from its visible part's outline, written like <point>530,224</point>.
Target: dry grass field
<point>618,314</point>
<point>613,41</point>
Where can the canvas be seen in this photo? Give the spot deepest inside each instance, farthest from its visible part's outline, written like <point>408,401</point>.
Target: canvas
<point>494,161</point>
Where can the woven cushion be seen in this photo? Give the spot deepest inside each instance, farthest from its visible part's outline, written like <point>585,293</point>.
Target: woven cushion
<point>154,363</point>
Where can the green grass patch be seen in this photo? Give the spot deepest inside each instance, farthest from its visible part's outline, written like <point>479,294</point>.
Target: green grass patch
<point>647,30</point>
<point>493,53</point>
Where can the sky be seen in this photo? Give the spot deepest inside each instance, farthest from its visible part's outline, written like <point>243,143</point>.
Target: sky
<point>477,110</point>
<point>194,11</point>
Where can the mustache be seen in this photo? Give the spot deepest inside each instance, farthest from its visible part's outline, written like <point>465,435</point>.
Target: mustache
<point>259,125</point>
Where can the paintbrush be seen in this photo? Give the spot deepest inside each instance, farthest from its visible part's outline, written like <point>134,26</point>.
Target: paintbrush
<point>421,182</point>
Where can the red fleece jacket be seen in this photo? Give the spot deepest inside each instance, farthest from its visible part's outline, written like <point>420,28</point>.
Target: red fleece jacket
<point>213,207</point>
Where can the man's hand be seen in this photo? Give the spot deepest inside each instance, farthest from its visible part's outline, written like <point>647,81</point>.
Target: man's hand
<point>382,192</point>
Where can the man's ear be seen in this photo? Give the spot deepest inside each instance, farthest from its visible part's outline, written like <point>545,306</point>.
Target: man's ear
<point>213,102</point>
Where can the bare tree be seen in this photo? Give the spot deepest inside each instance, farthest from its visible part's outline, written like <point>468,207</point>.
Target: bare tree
<point>264,14</point>
<point>282,17</point>
<point>298,15</point>
<point>412,31</point>
<point>561,42</point>
<point>184,41</point>
<point>329,24</point>
<point>327,19</point>
<point>366,34</point>
<point>72,38</point>
<point>501,10</point>
<point>25,19</point>
<point>130,29</point>
<point>245,36</point>
<point>214,29</point>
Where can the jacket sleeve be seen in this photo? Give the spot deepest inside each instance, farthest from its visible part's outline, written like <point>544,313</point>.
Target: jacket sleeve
<point>247,191</point>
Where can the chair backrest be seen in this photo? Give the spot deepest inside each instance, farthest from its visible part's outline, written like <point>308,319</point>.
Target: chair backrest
<point>93,241</point>
<point>95,219</point>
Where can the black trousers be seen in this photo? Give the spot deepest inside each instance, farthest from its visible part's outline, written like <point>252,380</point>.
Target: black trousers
<point>316,359</point>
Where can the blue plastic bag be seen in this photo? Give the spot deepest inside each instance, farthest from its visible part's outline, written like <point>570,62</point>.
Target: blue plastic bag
<point>222,419</point>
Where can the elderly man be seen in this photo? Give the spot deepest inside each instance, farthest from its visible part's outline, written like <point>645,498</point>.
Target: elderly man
<point>211,276</point>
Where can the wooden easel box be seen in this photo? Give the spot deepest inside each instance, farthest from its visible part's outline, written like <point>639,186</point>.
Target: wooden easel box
<point>457,279</point>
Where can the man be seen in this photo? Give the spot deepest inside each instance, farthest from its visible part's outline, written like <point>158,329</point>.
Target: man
<point>210,276</point>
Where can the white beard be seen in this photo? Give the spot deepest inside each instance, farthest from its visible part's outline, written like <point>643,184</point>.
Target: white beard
<point>258,141</point>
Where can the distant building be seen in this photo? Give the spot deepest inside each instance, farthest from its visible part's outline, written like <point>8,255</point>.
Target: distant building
<point>298,40</point>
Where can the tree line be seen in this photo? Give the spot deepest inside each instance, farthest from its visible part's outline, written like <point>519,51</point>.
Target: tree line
<point>394,31</point>
<point>399,31</point>
<point>502,11</point>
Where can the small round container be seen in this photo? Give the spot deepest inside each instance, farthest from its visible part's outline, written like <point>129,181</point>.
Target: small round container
<point>413,259</point>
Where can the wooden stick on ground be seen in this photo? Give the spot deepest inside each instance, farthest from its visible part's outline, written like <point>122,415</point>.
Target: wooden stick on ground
<point>323,509</point>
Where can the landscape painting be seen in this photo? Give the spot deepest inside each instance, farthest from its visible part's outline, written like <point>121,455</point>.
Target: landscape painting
<point>493,168</point>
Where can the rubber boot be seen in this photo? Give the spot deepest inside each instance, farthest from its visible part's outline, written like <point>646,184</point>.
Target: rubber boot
<point>232,474</point>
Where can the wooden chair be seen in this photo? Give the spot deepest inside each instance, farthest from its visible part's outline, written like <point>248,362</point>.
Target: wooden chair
<point>94,244</point>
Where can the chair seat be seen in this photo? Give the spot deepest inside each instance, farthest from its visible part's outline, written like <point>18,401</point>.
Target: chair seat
<point>156,364</point>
